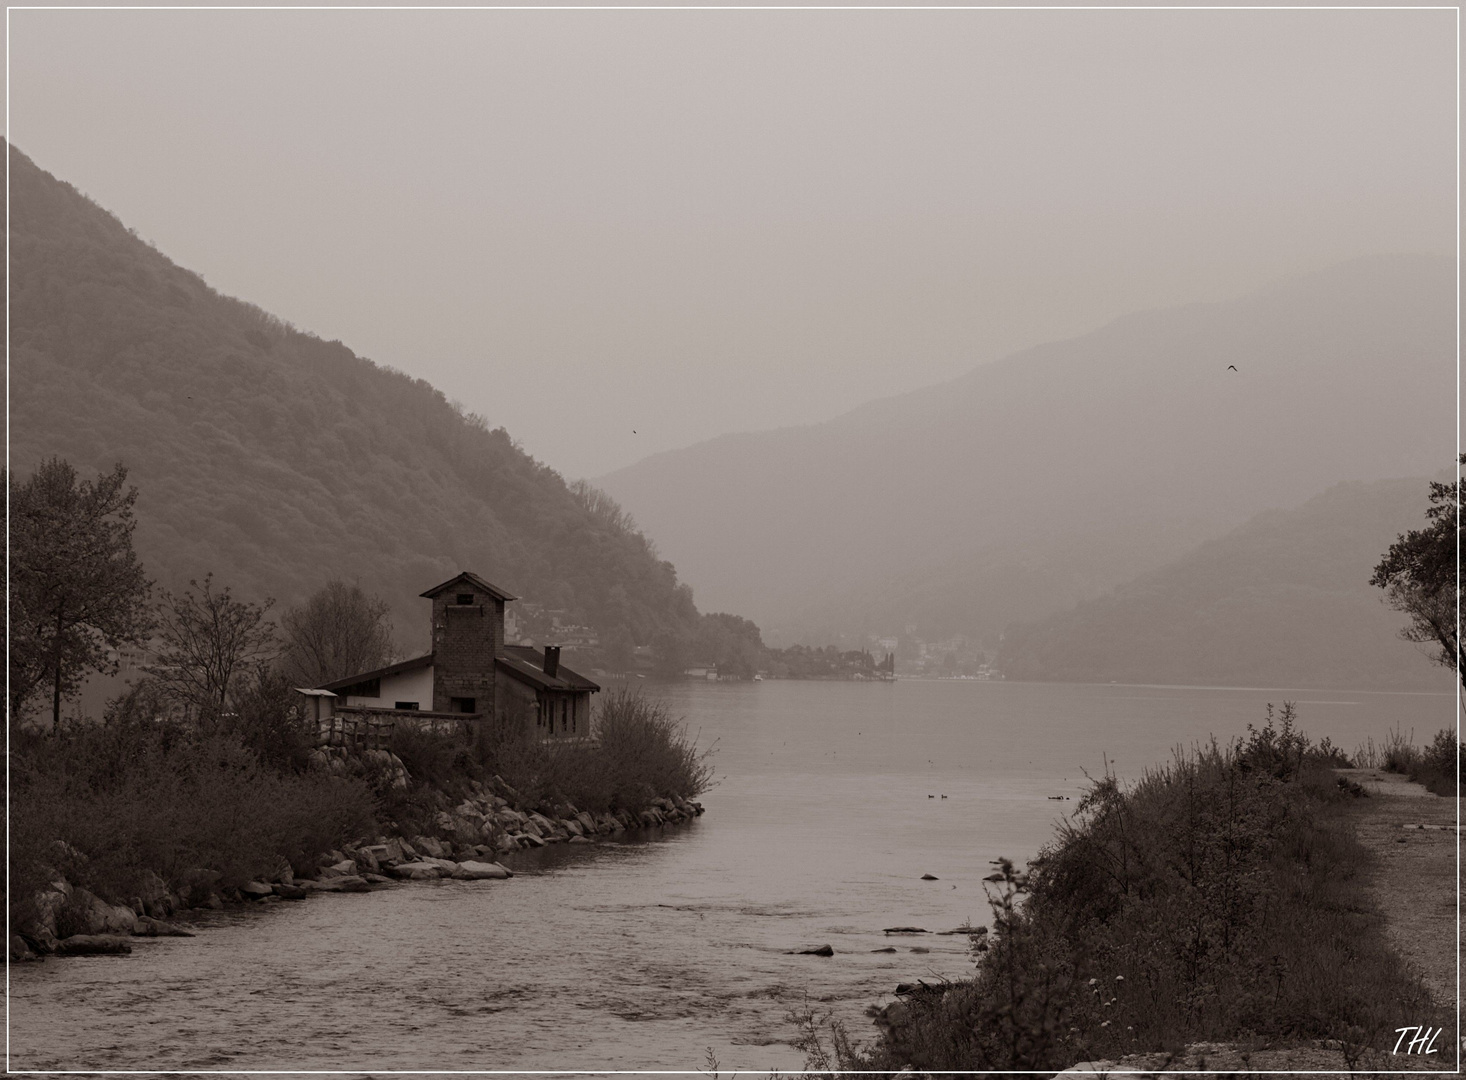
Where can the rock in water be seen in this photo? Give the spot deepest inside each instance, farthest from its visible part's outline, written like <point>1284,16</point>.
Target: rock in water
<point>481,871</point>
<point>256,890</point>
<point>150,927</point>
<point>888,948</point>
<point>930,877</point>
<point>92,945</point>
<point>905,930</point>
<point>817,950</point>
<point>290,892</point>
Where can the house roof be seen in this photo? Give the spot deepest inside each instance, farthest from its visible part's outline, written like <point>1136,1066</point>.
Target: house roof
<point>473,579</point>
<point>381,673</point>
<point>528,664</point>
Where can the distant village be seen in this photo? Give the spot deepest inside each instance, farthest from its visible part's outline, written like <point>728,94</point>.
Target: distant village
<point>871,656</point>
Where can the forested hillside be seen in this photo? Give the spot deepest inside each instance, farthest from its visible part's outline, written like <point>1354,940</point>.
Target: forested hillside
<point>277,460</point>
<point>1283,600</point>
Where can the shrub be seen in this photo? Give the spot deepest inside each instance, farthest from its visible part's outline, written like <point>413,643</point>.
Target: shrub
<point>161,798</point>
<point>1216,899</point>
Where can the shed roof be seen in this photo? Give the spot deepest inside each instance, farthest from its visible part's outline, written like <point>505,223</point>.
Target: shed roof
<point>473,579</point>
<point>380,673</point>
<point>528,664</point>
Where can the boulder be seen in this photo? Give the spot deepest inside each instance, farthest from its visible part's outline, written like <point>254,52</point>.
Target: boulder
<point>481,871</point>
<point>383,853</point>
<point>572,826</point>
<point>92,945</point>
<point>930,877</point>
<point>147,927</point>
<point>290,892</point>
<point>377,879</point>
<point>344,868</point>
<point>46,904</point>
<point>197,885</point>
<point>905,930</point>
<point>345,883</point>
<point>888,948</point>
<point>96,916</point>
<point>580,840</point>
<point>366,861</point>
<point>19,950</point>
<point>813,950</point>
<point>152,888</point>
<point>427,845</point>
<point>587,823</point>
<point>256,890</point>
<point>416,871</point>
<point>527,839</point>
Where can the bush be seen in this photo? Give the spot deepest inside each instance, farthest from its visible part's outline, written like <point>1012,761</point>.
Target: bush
<point>1436,766</point>
<point>1216,899</point>
<point>127,800</point>
<point>637,752</point>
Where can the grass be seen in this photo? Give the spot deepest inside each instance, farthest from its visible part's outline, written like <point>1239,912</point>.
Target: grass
<point>1436,765</point>
<point>1219,898</point>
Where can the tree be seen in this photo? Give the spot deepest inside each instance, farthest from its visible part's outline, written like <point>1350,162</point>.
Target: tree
<point>77,594</point>
<point>1420,578</point>
<point>338,631</point>
<point>208,639</point>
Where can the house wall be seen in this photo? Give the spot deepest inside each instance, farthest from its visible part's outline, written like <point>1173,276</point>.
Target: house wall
<point>408,686</point>
<point>516,702</point>
<point>466,639</point>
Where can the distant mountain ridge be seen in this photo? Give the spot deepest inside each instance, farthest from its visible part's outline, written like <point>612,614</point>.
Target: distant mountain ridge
<point>1054,474</point>
<point>278,460</point>
<point>1282,600</point>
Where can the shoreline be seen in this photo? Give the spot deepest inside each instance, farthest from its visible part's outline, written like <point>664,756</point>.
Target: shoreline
<point>472,836</point>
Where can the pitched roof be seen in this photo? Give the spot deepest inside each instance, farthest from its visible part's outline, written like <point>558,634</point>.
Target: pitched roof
<point>473,579</point>
<point>528,663</point>
<point>381,673</point>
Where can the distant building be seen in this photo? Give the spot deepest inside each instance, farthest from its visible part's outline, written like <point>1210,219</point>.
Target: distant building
<point>471,672</point>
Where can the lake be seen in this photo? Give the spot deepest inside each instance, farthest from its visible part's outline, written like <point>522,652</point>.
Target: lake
<point>833,799</point>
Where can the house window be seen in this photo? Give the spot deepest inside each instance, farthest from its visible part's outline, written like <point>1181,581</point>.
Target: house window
<point>405,705</point>
<point>564,715</point>
<point>462,704</point>
<point>464,598</point>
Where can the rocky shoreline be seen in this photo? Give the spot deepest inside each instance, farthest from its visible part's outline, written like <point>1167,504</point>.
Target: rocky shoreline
<point>69,920</point>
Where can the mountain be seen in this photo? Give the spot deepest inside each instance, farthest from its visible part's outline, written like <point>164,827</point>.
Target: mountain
<point>1283,600</point>
<point>1058,472</point>
<point>277,460</point>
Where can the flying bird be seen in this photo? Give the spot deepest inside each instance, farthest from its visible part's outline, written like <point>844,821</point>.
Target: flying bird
<point>1231,367</point>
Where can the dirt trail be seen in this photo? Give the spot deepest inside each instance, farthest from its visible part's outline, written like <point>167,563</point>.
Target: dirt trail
<point>1413,876</point>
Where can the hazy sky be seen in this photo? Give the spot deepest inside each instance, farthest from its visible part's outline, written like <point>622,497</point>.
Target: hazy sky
<point>679,223</point>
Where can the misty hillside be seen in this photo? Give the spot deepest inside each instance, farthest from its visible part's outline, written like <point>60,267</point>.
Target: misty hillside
<point>1056,473</point>
<point>1283,600</point>
<point>278,460</point>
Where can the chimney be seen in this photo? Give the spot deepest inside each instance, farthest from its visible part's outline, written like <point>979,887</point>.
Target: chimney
<point>552,660</point>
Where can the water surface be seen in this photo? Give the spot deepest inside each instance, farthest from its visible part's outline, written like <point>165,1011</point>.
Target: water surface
<point>645,953</point>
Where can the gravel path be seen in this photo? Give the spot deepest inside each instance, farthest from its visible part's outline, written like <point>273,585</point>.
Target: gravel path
<point>1412,878</point>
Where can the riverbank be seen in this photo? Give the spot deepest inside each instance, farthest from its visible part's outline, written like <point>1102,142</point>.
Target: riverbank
<point>1218,901</point>
<point>116,827</point>
<point>66,919</point>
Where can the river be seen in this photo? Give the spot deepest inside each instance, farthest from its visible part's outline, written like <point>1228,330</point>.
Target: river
<point>833,799</point>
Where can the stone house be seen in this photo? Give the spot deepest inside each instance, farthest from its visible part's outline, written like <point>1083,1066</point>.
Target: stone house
<point>471,674</point>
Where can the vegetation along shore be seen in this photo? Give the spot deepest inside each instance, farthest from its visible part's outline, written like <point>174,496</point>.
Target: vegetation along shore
<point>1226,908</point>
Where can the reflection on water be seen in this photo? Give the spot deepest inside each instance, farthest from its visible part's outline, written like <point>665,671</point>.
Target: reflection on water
<point>644,953</point>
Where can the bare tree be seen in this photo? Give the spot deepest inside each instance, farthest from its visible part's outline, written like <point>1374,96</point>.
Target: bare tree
<point>339,631</point>
<point>76,592</point>
<point>208,639</point>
